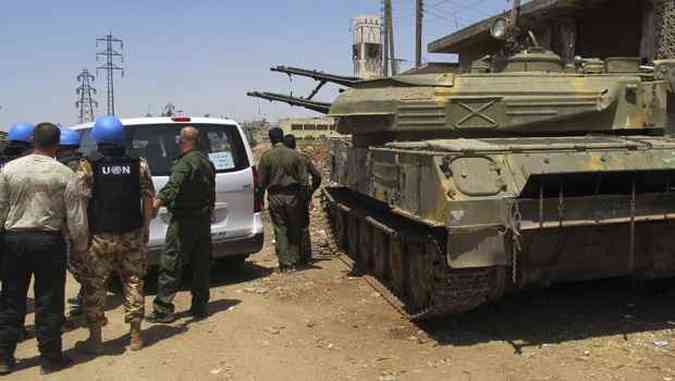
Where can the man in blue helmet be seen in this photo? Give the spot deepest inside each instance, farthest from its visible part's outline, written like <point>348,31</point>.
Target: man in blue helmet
<point>69,154</point>
<point>118,192</point>
<point>19,142</point>
<point>69,148</point>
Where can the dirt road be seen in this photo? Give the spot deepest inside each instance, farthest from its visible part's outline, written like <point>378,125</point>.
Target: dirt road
<point>323,324</point>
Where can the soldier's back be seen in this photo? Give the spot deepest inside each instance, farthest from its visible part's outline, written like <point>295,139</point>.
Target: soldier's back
<point>284,165</point>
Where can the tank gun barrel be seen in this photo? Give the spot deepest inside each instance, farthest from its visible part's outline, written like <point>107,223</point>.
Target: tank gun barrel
<point>322,107</point>
<point>318,75</point>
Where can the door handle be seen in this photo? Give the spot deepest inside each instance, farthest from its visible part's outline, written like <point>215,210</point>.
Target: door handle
<point>247,186</point>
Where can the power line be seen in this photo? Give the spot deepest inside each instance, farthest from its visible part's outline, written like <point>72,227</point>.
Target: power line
<point>112,56</point>
<point>85,92</point>
<point>462,8</point>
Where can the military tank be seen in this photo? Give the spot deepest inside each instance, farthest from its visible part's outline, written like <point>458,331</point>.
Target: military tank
<point>454,188</point>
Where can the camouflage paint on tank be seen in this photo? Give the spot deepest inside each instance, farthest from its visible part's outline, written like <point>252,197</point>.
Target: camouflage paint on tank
<point>450,159</point>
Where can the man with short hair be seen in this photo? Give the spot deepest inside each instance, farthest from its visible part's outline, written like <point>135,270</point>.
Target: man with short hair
<point>33,212</point>
<point>308,190</point>
<point>190,196</point>
<point>280,172</point>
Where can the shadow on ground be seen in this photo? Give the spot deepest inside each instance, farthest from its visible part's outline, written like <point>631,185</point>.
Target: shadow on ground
<point>222,274</point>
<point>152,334</point>
<point>562,313</point>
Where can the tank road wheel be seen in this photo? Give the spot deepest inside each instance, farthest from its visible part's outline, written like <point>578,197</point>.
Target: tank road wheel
<point>353,229</point>
<point>340,227</point>
<point>366,248</point>
<point>381,267</point>
<point>419,275</point>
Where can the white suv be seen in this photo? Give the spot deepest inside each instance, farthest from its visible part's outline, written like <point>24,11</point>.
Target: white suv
<point>237,226</point>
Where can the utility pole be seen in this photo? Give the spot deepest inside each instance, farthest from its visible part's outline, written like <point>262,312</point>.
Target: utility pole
<point>390,35</point>
<point>515,13</point>
<point>386,4</point>
<point>85,92</point>
<point>419,15</point>
<point>111,56</point>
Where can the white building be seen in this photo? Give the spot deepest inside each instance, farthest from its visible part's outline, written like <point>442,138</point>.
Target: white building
<point>309,128</point>
<point>367,48</point>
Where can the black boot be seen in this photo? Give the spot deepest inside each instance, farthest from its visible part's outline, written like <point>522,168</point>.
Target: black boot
<point>54,363</point>
<point>7,364</point>
<point>198,313</point>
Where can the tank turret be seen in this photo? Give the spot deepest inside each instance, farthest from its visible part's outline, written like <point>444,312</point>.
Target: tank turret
<point>532,95</point>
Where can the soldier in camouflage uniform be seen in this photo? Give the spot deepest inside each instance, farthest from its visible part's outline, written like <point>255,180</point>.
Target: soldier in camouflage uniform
<point>119,193</point>
<point>309,170</point>
<point>190,196</point>
<point>69,154</point>
<point>281,173</point>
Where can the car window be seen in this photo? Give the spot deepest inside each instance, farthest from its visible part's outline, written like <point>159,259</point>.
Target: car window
<point>157,144</point>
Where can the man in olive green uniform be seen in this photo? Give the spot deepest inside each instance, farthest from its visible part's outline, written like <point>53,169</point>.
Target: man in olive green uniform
<point>190,196</point>
<point>309,170</point>
<point>280,172</point>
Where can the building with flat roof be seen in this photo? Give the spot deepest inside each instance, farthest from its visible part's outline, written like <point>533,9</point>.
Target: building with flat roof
<point>586,28</point>
<point>367,47</point>
<point>309,128</point>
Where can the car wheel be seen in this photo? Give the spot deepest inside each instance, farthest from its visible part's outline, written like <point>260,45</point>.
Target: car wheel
<point>232,261</point>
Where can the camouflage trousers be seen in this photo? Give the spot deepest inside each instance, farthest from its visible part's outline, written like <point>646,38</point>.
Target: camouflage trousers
<point>109,253</point>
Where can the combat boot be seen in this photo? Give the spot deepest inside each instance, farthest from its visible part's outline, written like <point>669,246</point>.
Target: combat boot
<point>7,361</point>
<point>94,344</point>
<point>136,336</point>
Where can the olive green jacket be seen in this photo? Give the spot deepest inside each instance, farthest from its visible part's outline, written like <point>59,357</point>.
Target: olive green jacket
<point>191,190</point>
<point>281,167</point>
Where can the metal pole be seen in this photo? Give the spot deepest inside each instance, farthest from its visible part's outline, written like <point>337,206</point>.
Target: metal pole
<point>515,12</point>
<point>418,32</point>
<point>385,37</point>
<point>392,51</point>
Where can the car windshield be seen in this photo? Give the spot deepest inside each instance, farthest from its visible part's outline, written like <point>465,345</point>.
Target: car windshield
<point>157,144</point>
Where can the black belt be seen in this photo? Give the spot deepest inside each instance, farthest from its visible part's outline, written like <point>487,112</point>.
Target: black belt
<point>45,232</point>
<point>290,189</point>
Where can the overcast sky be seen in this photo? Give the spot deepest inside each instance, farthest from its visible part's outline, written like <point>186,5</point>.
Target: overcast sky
<point>202,55</point>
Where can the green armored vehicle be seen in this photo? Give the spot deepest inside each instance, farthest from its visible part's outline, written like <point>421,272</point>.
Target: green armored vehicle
<point>456,188</point>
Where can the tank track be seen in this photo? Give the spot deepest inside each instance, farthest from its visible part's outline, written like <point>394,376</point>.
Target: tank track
<point>420,285</point>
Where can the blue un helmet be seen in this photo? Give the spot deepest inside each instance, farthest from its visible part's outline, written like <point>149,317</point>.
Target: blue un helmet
<point>21,132</point>
<point>69,137</point>
<point>108,130</point>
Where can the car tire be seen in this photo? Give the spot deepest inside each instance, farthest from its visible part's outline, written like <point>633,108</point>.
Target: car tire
<point>232,261</point>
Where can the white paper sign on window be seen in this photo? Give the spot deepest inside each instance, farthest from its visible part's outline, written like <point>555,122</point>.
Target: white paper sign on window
<point>222,160</point>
